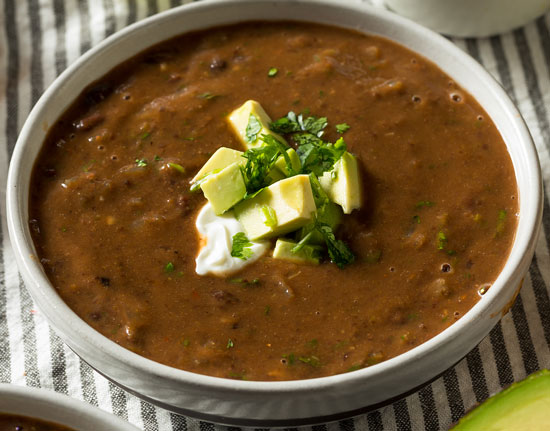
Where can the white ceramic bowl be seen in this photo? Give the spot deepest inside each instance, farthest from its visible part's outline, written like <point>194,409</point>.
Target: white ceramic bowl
<point>470,18</point>
<point>60,409</point>
<point>292,402</point>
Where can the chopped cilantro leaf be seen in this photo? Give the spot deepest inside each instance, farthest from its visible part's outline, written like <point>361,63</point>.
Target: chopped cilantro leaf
<point>141,162</point>
<point>158,158</point>
<point>272,72</point>
<point>259,163</point>
<point>269,216</point>
<point>289,359</point>
<point>338,251</point>
<point>296,123</point>
<point>424,204</point>
<point>441,240</point>
<point>316,155</point>
<point>144,135</point>
<point>241,246</point>
<point>252,129</point>
<point>177,167</point>
<point>230,344</point>
<point>310,360</point>
<point>341,128</point>
<point>207,96</point>
<point>501,223</point>
<point>169,267</point>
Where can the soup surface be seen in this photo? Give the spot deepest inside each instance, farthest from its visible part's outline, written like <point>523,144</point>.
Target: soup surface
<point>116,232</point>
<point>23,423</point>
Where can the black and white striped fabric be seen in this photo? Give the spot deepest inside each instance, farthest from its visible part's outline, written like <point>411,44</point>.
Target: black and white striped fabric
<point>39,38</point>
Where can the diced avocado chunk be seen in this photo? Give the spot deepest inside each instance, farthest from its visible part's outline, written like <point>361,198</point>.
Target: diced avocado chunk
<point>222,158</point>
<point>275,175</point>
<point>522,406</point>
<point>292,201</point>
<point>250,122</point>
<point>332,216</point>
<point>280,164</point>
<point>225,188</point>
<point>307,254</point>
<point>342,183</point>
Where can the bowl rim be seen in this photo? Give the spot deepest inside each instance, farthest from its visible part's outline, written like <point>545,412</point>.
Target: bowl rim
<point>58,408</point>
<point>24,249</point>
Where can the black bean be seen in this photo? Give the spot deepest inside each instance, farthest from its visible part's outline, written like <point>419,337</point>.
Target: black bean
<point>217,64</point>
<point>98,93</point>
<point>105,281</point>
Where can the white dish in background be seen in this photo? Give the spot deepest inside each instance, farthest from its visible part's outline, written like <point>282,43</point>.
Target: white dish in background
<point>291,402</point>
<point>470,18</point>
<point>50,406</point>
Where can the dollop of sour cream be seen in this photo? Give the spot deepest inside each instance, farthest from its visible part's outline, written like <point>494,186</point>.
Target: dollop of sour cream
<point>217,240</point>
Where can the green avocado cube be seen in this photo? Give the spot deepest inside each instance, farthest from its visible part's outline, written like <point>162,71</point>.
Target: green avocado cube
<point>225,188</point>
<point>222,158</point>
<point>289,200</point>
<point>250,122</point>
<point>280,164</point>
<point>342,184</point>
<point>307,254</point>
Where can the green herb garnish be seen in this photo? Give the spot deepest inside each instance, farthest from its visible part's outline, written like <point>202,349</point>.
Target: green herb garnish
<point>158,158</point>
<point>207,96</point>
<point>290,358</point>
<point>297,123</point>
<point>341,128</point>
<point>252,129</point>
<point>145,135</point>
<point>169,267</point>
<point>269,215</point>
<point>259,163</point>
<point>338,251</point>
<point>424,204</point>
<point>141,162</point>
<point>272,72</point>
<point>177,167</point>
<point>441,240</point>
<point>310,360</point>
<point>316,155</point>
<point>241,246</point>
<point>501,222</point>
<point>230,344</point>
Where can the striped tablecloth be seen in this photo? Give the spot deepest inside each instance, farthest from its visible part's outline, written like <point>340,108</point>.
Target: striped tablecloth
<point>39,38</point>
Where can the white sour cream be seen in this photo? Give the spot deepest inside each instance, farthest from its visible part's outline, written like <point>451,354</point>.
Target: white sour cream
<point>217,236</point>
